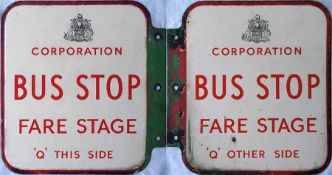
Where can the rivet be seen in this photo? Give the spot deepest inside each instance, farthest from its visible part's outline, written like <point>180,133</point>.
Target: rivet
<point>176,138</point>
<point>176,87</point>
<point>158,138</point>
<point>157,87</point>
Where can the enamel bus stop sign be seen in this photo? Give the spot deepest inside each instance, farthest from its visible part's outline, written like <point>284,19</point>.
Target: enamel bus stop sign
<point>74,87</point>
<point>258,87</point>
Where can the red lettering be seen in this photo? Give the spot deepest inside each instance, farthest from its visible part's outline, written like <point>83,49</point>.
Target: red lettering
<point>263,86</point>
<point>202,125</point>
<point>215,52</point>
<point>85,89</point>
<point>57,86</point>
<point>21,125</point>
<point>97,77</point>
<point>20,82</point>
<point>130,126</point>
<point>109,92</point>
<point>313,82</point>
<point>237,86</point>
<point>288,86</point>
<point>43,87</point>
<point>200,86</point>
<point>33,51</point>
<point>132,85</point>
<point>214,87</point>
<point>277,80</point>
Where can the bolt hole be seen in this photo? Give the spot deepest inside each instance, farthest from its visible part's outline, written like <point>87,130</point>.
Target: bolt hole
<point>181,114</point>
<point>234,139</point>
<point>158,138</point>
<point>176,138</point>
<point>176,87</point>
<point>182,88</point>
<point>157,36</point>
<point>157,87</point>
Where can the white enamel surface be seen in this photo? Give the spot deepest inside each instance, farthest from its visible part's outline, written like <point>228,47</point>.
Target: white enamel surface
<point>222,26</point>
<point>44,26</point>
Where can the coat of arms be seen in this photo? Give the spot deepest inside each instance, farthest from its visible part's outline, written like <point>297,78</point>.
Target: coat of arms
<point>79,30</point>
<point>257,31</point>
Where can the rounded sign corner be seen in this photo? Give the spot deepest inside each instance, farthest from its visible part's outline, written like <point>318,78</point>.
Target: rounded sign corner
<point>9,165</point>
<point>322,8</point>
<point>324,166</point>
<point>191,8</point>
<point>142,8</point>
<point>7,11</point>
<point>189,164</point>
<point>141,165</point>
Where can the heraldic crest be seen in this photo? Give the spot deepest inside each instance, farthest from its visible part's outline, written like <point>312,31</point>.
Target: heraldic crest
<point>79,30</point>
<point>257,31</point>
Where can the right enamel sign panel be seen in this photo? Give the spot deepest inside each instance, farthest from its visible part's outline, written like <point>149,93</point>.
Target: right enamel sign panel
<point>258,87</point>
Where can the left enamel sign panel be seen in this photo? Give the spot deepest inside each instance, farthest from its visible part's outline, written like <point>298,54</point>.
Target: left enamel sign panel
<point>74,87</point>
